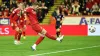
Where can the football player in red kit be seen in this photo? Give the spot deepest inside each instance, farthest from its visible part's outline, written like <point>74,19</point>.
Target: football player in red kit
<point>22,26</point>
<point>31,14</point>
<point>17,23</point>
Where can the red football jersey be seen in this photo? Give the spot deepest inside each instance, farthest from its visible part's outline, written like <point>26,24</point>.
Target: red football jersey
<point>31,15</point>
<point>22,20</point>
<point>14,16</point>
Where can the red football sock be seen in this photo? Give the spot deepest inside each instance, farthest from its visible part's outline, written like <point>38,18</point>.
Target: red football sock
<point>19,36</point>
<point>50,36</point>
<point>24,33</point>
<point>16,35</point>
<point>39,40</point>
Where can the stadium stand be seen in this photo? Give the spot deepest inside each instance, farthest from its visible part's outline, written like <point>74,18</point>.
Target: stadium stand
<point>79,8</point>
<point>47,7</point>
<point>7,6</point>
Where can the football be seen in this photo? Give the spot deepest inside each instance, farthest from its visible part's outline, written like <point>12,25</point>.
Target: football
<point>92,29</point>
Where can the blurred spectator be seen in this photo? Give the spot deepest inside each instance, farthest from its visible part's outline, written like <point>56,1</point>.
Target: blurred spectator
<point>42,12</point>
<point>67,3</point>
<point>89,5</point>
<point>39,15</point>
<point>65,12</point>
<point>76,7</point>
<point>6,2</point>
<point>56,12</point>
<point>52,2</point>
<point>14,4</point>
<point>49,3</point>
<point>95,9</point>
<point>61,7</point>
<point>44,8</point>
<point>8,6</point>
<point>68,7</point>
<point>82,5</point>
<point>84,12</point>
<point>70,11</point>
<point>96,1</point>
<point>6,12</point>
<point>39,3</point>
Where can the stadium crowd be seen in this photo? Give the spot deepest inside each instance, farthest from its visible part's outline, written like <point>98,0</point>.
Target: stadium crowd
<point>80,7</point>
<point>69,7</point>
<point>7,6</point>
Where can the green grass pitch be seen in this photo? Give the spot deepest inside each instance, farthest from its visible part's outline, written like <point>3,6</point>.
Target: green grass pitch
<point>7,48</point>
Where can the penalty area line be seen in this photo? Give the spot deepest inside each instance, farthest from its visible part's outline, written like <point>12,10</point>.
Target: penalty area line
<point>65,51</point>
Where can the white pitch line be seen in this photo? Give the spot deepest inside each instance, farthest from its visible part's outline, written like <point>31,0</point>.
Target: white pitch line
<point>66,50</point>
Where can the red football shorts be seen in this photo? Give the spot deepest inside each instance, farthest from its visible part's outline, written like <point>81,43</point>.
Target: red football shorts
<point>14,27</point>
<point>19,26</point>
<point>37,28</point>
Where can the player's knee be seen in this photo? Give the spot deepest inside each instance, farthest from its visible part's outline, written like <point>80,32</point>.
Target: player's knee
<point>43,31</point>
<point>58,30</point>
<point>20,30</point>
<point>17,29</point>
<point>41,35</point>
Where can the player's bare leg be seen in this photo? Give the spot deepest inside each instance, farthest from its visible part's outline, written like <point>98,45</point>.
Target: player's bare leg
<point>18,36</point>
<point>38,41</point>
<point>23,35</point>
<point>14,27</point>
<point>23,32</point>
<point>15,39</point>
<point>58,32</point>
<point>45,33</point>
